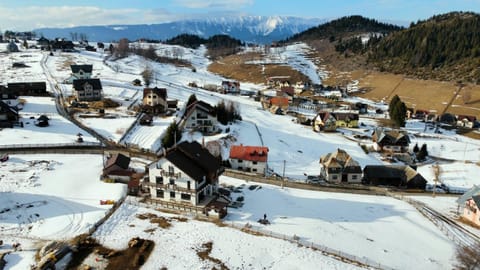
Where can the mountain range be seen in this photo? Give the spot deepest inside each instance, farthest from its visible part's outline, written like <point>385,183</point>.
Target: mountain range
<point>256,29</point>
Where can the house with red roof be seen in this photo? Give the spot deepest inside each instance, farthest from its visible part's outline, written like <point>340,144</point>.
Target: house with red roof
<point>249,158</point>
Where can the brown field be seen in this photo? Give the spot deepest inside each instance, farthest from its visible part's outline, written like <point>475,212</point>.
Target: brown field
<point>421,94</point>
<point>234,67</point>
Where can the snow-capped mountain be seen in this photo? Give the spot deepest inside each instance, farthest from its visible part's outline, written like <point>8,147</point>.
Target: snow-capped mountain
<point>258,29</point>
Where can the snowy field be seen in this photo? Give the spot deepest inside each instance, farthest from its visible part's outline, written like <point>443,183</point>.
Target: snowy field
<point>382,229</point>
<point>59,131</point>
<point>176,247</point>
<point>31,73</point>
<point>46,197</point>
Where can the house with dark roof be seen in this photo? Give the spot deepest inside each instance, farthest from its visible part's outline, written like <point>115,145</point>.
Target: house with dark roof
<point>249,158</point>
<point>88,89</point>
<point>391,140</point>
<point>324,121</point>
<point>117,168</point>
<point>28,88</point>
<point>471,211</point>
<point>154,100</point>
<point>6,94</point>
<point>8,115</point>
<point>42,121</point>
<point>186,174</point>
<point>12,46</point>
<point>231,87</point>
<point>339,166</point>
<point>400,176</point>
<point>43,42</point>
<point>80,72</point>
<point>201,116</point>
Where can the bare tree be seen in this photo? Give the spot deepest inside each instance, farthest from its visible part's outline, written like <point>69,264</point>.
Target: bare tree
<point>122,48</point>
<point>468,257</point>
<point>147,75</point>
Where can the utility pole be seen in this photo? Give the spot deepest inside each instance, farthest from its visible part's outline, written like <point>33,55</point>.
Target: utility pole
<point>283,175</point>
<point>436,172</point>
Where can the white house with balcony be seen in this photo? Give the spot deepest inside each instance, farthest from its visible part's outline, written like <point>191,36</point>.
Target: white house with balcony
<point>186,174</point>
<point>201,116</point>
<point>80,72</point>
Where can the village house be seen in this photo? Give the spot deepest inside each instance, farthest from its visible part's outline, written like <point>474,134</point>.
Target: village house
<point>390,140</point>
<point>12,47</point>
<point>471,211</point>
<point>346,118</point>
<point>231,87</point>
<point>466,121</point>
<point>186,174</point>
<point>276,105</point>
<point>43,42</point>
<point>201,116</point>
<point>339,167</point>
<point>461,201</point>
<point>80,72</point>
<point>249,158</point>
<point>117,168</point>
<point>155,100</point>
<point>27,88</point>
<point>324,121</point>
<point>8,115</point>
<point>62,44</point>
<point>87,89</point>
<point>400,176</point>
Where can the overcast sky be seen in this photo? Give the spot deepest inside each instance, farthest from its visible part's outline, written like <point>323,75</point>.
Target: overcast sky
<point>30,14</point>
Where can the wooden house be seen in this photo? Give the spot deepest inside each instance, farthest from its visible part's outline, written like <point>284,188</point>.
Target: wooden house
<point>154,100</point>
<point>391,140</point>
<point>117,168</point>
<point>339,167</point>
<point>186,174</point>
<point>400,176</point>
<point>8,115</point>
<point>28,88</point>
<point>249,158</point>
<point>87,89</point>
<point>201,116</point>
<point>324,121</point>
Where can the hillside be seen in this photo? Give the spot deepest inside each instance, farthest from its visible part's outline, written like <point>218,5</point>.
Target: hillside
<point>344,27</point>
<point>445,47</point>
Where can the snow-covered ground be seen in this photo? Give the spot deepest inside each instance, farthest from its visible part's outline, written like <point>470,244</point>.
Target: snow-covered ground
<point>59,131</point>
<point>176,247</point>
<point>46,197</point>
<point>382,229</point>
<point>64,191</point>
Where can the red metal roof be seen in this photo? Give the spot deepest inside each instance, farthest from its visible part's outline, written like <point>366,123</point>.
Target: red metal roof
<point>251,153</point>
<point>279,101</point>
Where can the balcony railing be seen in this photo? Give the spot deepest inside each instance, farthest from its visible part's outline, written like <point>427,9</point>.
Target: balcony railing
<point>170,187</point>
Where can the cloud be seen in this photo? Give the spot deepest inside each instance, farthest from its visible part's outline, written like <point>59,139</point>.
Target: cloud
<point>68,16</point>
<point>217,4</point>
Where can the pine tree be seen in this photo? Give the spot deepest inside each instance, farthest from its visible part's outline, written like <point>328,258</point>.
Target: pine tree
<point>415,148</point>
<point>172,135</point>
<point>423,153</point>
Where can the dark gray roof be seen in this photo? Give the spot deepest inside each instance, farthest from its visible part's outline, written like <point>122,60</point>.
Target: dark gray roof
<point>384,171</point>
<point>118,159</point>
<point>85,68</point>
<point>475,190</point>
<point>476,199</point>
<point>80,84</point>
<point>194,160</point>
<point>4,107</point>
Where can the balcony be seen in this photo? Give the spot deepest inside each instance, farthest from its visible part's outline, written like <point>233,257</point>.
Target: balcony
<point>169,187</point>
<point>170,174</point>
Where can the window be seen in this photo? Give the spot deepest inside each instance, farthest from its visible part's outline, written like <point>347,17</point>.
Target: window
<point>334,177</point>
<point>172,194</point>
<point>354,177</point>
<point>240,168</point>
<point>158,166</point>
<point>172,181</point>
<point>159,180</point>
<point>159,193</point>
<point>240,161</point>
<point>188,184</point>
<point>254,170</point>
<point>255,163</point>
<point>185,197</point>
<point>171,170</point>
